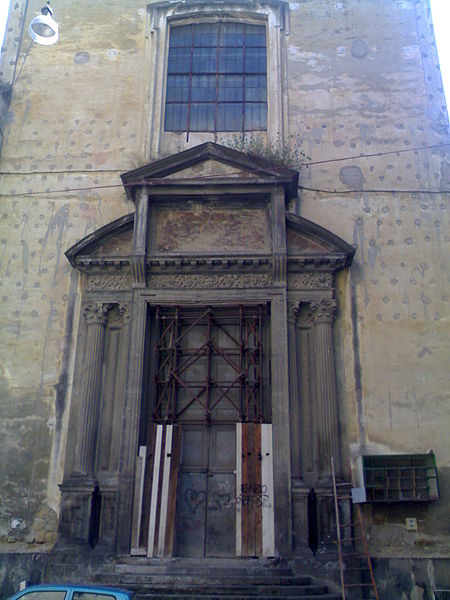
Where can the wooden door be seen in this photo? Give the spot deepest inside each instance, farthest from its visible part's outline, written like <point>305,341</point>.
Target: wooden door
<point>206,519</point>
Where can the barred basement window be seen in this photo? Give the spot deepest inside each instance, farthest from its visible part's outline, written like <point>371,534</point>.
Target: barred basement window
<point>217,78</point>
<point>400,478</point>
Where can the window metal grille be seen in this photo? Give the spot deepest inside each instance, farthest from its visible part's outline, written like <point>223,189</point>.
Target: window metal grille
<point>217,78</point>
<point>400,478</point>
<point>209,364</point>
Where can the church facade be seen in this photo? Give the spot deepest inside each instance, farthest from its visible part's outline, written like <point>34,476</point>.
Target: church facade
<point>224,285</point>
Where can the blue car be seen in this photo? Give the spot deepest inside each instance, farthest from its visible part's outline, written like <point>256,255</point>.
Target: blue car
<point>71,592</point>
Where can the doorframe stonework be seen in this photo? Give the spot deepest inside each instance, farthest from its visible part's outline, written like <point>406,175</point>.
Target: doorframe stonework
<point>286,279</point>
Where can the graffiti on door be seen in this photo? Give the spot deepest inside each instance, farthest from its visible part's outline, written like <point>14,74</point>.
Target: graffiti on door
<point>253,495</point>
<point>195,500</point>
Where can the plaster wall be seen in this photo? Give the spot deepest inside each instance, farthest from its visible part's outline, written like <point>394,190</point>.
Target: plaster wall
<point>362,78</point>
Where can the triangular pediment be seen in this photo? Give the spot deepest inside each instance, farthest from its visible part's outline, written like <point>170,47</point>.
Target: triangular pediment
<point>221,165</point>
<point>211,169</point>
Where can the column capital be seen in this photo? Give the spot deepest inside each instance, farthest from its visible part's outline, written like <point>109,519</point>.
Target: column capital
<point>323,311</point>
<point>125,312</point>
<point>96,312</point>
<point>292,311</point>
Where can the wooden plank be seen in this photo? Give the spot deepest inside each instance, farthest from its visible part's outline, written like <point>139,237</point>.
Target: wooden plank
<point>244,491</point>
<point>257,495</point>
<point>238,489</point>
<point>138,500</point>
<point>148,477</point>
<point>155,491</point>
<point>164,495</point>
<point>268,517</point>
<point>173,490</point>
<point>160,481</point>
<point>250,489</point>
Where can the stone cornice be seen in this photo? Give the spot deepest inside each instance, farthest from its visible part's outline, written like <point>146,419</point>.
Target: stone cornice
<point>295,264</point>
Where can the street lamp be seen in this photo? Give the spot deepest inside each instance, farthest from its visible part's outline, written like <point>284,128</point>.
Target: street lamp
<point>43,29</point>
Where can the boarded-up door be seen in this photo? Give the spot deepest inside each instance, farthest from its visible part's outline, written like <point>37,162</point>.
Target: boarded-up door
<point>205,490</point>
<point>155,493</point>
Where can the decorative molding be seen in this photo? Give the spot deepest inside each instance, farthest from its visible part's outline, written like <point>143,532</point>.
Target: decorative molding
<point>96,313</point>
<point>106,281</point>
<point>138,270</point>
<point>125,312</point>
<point>213,281</point>
<point>279,268</point>
<point>292,311</point>
<point>310,281</point>
<point>323,311</point>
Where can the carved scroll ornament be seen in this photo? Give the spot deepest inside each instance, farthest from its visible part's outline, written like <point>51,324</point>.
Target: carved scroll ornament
<point>323,311</point>
<point>107,281</point>
<point>310,281</point>
<point>216,281</point>
<point>96,312</point>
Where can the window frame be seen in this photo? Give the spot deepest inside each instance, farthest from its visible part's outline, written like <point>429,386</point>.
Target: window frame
<point>244,73</point>
<point>396,478</point>
<point>274,14</point>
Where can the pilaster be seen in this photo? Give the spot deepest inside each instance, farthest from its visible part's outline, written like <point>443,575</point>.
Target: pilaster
<point>294,396</point>
<point>138,267</point>
<point>95,315</point>
<point>281,426</point>
<point>131,420</point>
<point>327,422</point>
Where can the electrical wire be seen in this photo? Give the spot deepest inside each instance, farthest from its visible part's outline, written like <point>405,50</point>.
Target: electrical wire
<point>162,181</point>
<point>302,187</point>
<point>330,160</point>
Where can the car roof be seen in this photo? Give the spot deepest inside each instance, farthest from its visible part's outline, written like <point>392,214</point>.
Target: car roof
<point>74,587</point>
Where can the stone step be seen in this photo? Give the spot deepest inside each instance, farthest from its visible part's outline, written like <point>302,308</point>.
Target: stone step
<point>225,596</point>
<point>204,579</point>
<point>150,569</point>
<point>237,590</point>
<point>206,562</point>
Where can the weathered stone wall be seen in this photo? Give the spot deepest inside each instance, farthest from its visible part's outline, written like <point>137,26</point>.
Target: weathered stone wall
<point>74,124</point>
<point>362,79</point>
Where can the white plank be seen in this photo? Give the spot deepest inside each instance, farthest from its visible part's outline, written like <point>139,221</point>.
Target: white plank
<point>138,498</point>
<point>238,489</point>
<point>154,495</point>
<point>164,501</point>
<point>268,517</point>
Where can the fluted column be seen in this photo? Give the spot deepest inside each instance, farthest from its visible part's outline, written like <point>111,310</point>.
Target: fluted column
<point>307,392</point>
<point>327,423</point>
<point>294,399</point>
<point>95,315</point>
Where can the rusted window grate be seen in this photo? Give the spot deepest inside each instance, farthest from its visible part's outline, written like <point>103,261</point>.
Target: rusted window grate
<point>209,364</point>
<point>217,78</point>
<point>400,478</point>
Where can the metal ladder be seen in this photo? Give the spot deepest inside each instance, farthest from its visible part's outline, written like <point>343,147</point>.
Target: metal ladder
<point>351,552</point>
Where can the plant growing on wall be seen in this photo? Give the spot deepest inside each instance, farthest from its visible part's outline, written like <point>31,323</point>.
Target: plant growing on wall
<point>280,152</point>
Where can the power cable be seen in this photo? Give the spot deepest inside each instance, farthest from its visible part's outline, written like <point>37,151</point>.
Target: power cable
<point>159,181</point>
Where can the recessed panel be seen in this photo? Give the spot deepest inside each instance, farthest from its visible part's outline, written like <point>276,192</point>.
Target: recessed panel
<point>203,228</point>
